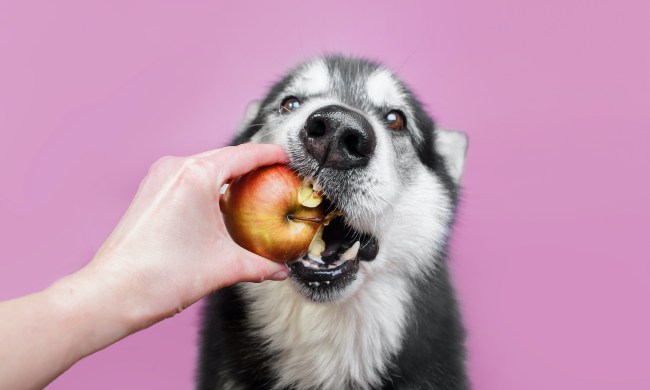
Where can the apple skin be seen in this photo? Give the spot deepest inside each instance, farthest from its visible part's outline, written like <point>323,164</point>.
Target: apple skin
<point>258,209</point>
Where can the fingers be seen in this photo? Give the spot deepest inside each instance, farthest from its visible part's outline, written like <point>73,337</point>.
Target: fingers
<point>238,160</point>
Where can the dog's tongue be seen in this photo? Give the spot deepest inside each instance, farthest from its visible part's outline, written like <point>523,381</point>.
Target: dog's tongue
<point>331,252</point>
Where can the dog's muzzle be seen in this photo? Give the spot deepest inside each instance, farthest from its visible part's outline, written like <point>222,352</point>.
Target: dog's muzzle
<point>338,137</point>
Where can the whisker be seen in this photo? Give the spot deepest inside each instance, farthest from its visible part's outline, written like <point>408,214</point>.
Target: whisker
<point>391,206</point>
<point>255,124</point>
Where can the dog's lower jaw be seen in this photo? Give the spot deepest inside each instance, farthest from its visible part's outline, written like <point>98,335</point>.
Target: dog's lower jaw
<point>332,345</point>
<point>327,294</point>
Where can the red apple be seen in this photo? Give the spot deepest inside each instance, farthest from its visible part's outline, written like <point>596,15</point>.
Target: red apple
<point>272,212</point>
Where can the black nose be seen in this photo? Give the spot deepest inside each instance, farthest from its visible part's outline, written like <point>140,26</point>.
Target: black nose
<point>338,137</point>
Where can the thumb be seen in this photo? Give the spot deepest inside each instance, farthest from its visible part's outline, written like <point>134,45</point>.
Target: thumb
<point>256,268</point>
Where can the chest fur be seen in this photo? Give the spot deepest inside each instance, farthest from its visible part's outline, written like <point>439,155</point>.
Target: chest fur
<point>330,346</point>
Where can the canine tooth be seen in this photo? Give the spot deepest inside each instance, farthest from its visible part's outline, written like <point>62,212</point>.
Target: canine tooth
<point>327,282</point>
<point>317,187</point>
<point>317,245</point>
<point>351,253</point>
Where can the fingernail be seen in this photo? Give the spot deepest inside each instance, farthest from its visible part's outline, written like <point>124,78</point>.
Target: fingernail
<point>281,275</point>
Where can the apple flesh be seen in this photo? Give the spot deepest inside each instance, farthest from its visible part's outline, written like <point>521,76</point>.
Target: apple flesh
<point>272,212</point>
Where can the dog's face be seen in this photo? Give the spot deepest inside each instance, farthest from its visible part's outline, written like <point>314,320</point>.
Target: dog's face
<point>358,131</point>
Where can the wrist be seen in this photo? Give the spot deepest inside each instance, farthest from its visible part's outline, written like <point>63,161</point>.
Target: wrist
<point>96,310</point>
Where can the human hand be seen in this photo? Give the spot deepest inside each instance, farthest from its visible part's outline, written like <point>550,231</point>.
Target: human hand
<point>171,247</point>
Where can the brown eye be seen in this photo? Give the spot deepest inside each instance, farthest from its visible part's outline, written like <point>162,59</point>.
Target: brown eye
<point>395,120</point>
<point>289,104</point>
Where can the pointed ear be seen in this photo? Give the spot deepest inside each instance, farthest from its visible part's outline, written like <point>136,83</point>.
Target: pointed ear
<point>452,145</point>
<point>249,115</point>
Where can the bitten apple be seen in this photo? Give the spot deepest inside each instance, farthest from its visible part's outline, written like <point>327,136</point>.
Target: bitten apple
<point>272,212</point>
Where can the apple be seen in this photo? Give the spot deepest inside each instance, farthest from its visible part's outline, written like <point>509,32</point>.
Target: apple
<point>272,212</point>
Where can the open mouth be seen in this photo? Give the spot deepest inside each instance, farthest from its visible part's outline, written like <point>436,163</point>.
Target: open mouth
<point>334,253</point>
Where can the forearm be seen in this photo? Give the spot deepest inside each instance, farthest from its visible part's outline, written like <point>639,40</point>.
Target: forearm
<point>43,334</point>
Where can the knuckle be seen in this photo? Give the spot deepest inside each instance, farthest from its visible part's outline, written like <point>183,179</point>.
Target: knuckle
<point>194,170</point>
<point>162,164</point>
<point>194,165</point>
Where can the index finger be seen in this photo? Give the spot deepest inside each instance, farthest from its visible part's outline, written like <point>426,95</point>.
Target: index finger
<point>233,161</point>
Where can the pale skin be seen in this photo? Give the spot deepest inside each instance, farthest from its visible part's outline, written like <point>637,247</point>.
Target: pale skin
<point>170,249</point>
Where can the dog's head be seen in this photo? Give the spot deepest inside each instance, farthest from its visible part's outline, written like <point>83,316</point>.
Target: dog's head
<point>359,132</point>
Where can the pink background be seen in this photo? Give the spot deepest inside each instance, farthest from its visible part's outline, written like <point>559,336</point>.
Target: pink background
<point>550,255</point>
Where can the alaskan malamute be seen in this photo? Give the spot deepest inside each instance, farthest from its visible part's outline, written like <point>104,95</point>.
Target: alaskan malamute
<point>387,318</point>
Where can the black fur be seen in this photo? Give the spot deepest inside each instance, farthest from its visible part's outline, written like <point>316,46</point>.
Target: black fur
<point>433,354</point>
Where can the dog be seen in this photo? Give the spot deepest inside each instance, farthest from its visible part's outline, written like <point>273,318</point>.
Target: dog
<point>377,311</point>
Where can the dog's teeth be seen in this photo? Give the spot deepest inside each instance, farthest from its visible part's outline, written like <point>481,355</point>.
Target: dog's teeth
<point>312,261</point>
<point>315,284</point>
<point>327,282</point>
<point>317,245</point>
<point>317,187</point>
<point>336,264</point>
<point>311,257</point>
<point>351,253</point>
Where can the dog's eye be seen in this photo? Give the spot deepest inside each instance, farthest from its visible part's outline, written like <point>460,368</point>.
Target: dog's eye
<point>289,104</point>
<point>395,120</point>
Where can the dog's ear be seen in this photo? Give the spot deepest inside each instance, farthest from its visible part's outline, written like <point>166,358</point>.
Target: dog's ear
<point>452,145</point>
<point>252,109</point>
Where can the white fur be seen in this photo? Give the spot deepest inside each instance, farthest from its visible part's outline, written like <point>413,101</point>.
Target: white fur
<point>452,145</point>
<point>383,90</point>
<point>419,227</point>
<point>333,345</point>
<point>311,80</point>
